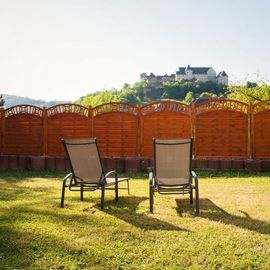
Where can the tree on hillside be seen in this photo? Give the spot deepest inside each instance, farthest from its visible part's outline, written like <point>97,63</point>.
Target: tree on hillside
<point>179,89</point>
<point>209,87</point>
<point>2,101</point>
<point>251,84</point>
<point>143,78</point>
<point>98,98</point>
<point>129,95</point>
<point>175,90</point>
<point>249,95</point>
<point>189,97</point>
<point>207,94</point>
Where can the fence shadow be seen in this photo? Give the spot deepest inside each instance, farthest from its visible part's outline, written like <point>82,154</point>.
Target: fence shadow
<point>209,210</point>
<point>125,210</point>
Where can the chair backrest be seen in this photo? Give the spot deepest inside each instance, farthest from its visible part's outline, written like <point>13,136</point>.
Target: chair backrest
<point>84,159</point>
<point>172,161</point>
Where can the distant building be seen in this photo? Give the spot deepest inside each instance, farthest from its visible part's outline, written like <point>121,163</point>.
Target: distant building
<point>190,74</point>
<point>222,78</point>
<point>159,79</point>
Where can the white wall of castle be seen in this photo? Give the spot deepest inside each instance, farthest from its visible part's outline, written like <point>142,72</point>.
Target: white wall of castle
<point>223,80</point>
<point>152,80</point>
<point>199,77</point>
<point>211,75</point>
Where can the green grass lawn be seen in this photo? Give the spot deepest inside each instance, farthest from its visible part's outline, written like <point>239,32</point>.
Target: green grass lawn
<point>232,232</point>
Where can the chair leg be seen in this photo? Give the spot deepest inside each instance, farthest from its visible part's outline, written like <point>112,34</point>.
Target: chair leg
<point>151,198</point>
<point>191,196</point>
<point>116,191</point>
<point>197,199</point>
<point>128,186</point>
<point>81,193</point>
<point>63,193</point>
<point>102,196</point>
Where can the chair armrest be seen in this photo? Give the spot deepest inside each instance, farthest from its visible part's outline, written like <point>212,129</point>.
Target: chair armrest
<point>195,177</point>
<point>68,176</point>
<point>151,179</point>
<point>111,172</point>
<point>114,173</point>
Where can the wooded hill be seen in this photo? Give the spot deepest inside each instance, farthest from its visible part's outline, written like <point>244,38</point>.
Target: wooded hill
<point>186,92</point>
<point>140,93</point>
<point>12,100</point>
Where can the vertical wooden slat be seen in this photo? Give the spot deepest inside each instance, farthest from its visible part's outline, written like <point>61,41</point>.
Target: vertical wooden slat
<point>45,137</point>
<point>91,122</point>
<point>250,131</point>
<point>4,133</point>
<point>192,127</point>
<point>2,130</point>
<point>139,131</point>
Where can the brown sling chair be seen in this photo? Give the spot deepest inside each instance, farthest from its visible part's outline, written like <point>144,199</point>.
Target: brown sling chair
<point>87,173</point>
<point>172,170</point>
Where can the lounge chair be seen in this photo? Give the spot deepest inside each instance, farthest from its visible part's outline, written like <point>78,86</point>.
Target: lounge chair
<point>172,170</point>
<point>87,173</point>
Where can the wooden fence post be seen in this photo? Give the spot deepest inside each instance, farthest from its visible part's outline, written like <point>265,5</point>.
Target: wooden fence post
<point>3,130</point>
<point>250,132</point>
<point>2,116</point>
<point>139,132</point>
<point>193,129</point>
<point>90,122</point>
<point>45,128</point>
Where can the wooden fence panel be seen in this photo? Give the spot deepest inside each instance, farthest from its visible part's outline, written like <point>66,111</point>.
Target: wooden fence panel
<point>166,119</point>
<point>2,115</point>
<point>261,130</point>
<point>66,121</point>
<point>116,128</point>
<point>221,129</point>
<point>23,130</point>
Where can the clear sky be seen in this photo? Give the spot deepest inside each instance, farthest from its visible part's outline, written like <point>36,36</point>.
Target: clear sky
<point>63,49</point>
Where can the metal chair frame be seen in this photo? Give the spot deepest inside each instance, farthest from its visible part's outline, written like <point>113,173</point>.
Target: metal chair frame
<point>188,188</point>
<point>81,186</point>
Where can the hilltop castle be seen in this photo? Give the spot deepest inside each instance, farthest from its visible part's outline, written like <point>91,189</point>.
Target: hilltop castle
<point>190,74</point>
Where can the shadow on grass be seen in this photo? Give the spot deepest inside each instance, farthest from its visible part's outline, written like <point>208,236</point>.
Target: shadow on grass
<point>11,195</point>
<point>12,191</point>
<point>211,211</point>
<point>24,249</point>
<point>125,209</point>
<point>23,175</point>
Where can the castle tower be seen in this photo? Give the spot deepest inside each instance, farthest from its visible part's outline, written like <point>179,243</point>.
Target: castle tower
<point>222,78</point>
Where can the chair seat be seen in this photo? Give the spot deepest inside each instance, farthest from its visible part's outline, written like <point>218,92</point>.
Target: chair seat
<point>172,181</point>
<point>111,181</point>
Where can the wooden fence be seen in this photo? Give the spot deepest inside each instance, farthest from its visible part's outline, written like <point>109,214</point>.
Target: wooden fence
<point>226,129</point>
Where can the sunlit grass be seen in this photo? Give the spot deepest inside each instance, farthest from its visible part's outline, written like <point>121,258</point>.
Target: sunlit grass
<point>232,232</point>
